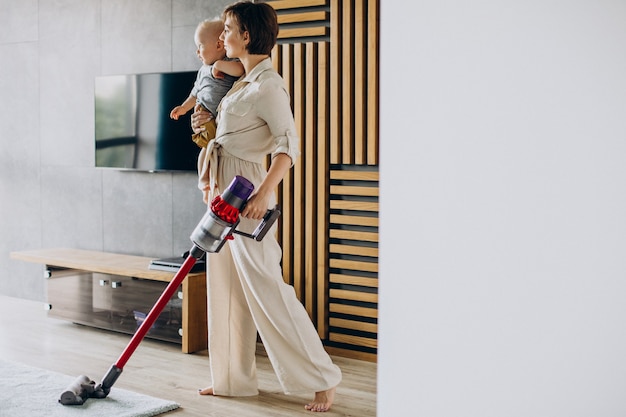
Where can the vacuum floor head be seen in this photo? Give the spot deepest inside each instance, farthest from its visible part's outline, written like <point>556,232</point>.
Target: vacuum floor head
<point>80,390</point>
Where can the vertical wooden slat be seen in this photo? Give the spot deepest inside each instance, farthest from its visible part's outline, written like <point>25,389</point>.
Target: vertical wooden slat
<point>372,84</point>
<point>310,218</point>
<point>276,57</point>
<point>322,188</point>
<point>360,83</point>
<point>287,201</point>
<point>347,82</point>
<point>335,81</point>
<point>299,196</point>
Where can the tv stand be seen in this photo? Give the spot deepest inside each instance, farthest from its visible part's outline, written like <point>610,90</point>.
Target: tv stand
<point>108,287</point>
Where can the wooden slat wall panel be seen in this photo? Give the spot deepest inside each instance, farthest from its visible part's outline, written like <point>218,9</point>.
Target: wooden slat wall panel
<point>353,310</point>
<point>299,192</point>
<point>296,4</point>
<point>335,82</point>
<point>354,280</point>
<point>352,235</point>
<point>347,85</point>
<point>303,33</point>
<point>354,220</point>
<point>302,19</point>
<point>354,250</point>
<point>320,16</point>
<point>354,295</point>
<point>354,205</point>
<point>360,82</point>
<point>353,265</point>
<point>355,175</point>
<point>354,325</point>
<point>372,91</point>
<point>354,82</point>
<point>327,53</point>
<point>353,257</point>
<point>347,190</point>
<point>322,178</point>
<point>353,340</point>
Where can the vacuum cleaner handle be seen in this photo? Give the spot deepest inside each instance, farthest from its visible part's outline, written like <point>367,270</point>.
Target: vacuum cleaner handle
<point>266,224</point>
<point>268,220</point>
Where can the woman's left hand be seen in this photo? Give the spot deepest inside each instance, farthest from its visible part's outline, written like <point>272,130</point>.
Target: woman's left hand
<point>199,117</point>
<point>256,207</point>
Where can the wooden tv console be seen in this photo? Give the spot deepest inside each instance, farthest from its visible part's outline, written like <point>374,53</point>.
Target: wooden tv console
<point>194,313</point>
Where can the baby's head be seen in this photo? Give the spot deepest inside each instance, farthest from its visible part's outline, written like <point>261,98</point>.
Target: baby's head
<point>207,37</point>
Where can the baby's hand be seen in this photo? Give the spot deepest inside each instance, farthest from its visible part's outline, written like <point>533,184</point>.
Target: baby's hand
<point>217,73</point>
<point>176,112</point>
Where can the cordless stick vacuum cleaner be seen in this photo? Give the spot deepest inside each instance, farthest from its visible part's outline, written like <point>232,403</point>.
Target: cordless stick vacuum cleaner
<point>216,227</point>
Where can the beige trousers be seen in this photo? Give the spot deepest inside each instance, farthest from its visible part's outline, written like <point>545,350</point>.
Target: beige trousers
<point>246,294</point>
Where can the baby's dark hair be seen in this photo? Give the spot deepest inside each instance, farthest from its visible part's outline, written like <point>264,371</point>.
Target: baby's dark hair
<point>261,23</point>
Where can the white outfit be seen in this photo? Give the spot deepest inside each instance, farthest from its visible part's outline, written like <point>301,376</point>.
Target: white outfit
<point>246,291</point>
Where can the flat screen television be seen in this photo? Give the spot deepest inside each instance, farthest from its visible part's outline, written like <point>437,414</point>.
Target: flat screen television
<point>133,129</point>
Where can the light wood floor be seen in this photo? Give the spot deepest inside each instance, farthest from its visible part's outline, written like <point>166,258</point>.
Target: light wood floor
<point>159,369</point>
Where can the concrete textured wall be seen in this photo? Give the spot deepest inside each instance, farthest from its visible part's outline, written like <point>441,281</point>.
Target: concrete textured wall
<point>50,193</point>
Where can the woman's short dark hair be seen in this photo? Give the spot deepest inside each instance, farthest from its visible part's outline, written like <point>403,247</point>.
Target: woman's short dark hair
<point>261,23</point>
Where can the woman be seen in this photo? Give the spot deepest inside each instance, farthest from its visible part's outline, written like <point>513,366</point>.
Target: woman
<point>246,291</point>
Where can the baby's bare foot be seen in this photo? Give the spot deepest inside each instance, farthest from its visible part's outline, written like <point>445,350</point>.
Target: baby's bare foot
<point>322,401</point>
<point>206,391</point>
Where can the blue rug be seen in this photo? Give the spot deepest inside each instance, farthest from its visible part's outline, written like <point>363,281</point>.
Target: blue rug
<point>34,392</point>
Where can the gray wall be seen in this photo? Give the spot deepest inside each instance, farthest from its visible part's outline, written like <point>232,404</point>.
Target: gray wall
<point>50,193</point>
<point>503,209</point>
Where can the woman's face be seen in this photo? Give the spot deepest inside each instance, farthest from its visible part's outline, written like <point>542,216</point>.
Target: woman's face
<point>234,41</point>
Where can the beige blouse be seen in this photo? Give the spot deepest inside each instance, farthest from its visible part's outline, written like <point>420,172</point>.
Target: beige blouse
<point>254,120</point>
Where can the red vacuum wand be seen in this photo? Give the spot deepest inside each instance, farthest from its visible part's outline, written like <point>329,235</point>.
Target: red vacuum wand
<point>216,227</point>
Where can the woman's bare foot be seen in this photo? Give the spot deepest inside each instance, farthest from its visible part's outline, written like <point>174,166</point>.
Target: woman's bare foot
<point>322,401</point>
<point>206,391</point>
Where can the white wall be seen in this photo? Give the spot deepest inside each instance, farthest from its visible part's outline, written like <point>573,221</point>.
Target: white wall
<point>503,208</point>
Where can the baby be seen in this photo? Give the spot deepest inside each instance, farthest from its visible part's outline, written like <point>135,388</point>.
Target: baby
<point>215,77</point>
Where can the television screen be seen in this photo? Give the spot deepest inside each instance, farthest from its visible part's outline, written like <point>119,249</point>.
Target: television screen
<point>133,126</point>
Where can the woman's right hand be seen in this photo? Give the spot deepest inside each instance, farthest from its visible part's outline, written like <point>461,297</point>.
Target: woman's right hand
<point>199,117</point>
